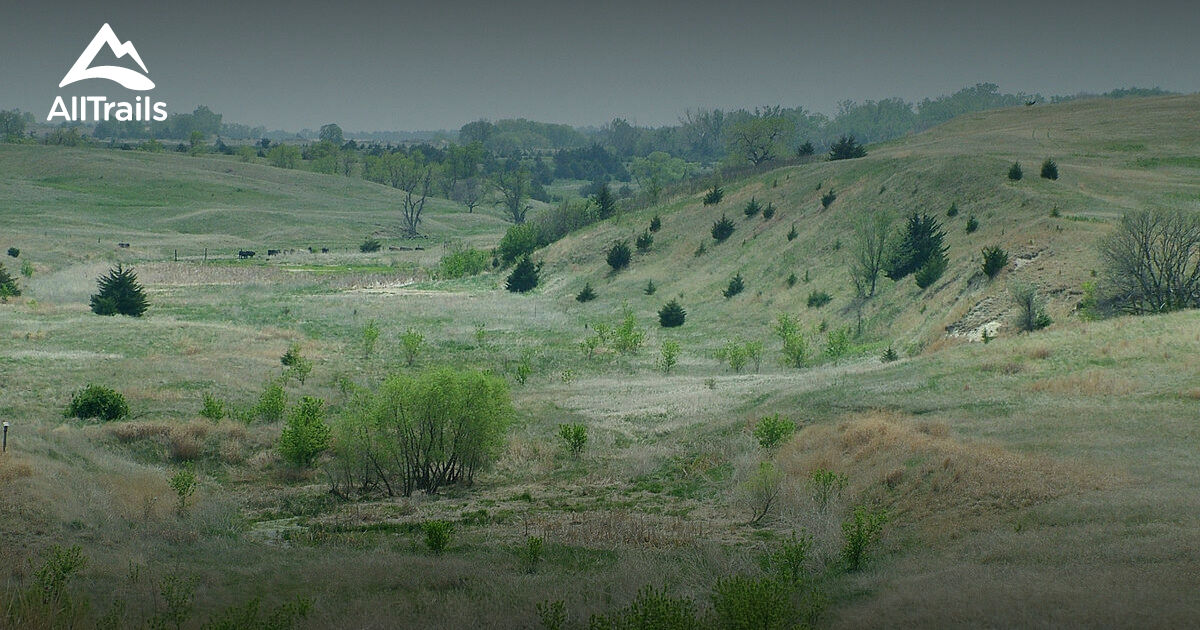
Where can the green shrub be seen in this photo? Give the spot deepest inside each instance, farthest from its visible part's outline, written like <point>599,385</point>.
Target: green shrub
<point>995,259</point>
<point>8,284</point>
<point>736,284</point>
<point>791,280</point>
<point>120,293</point>
<point>212,408</point>
<point>26,269</point>
<point>837,344</point>
<point>859,532</point>
<point>788,563</point>
<point>759,603</point>
<point>524,369</point>
<point>714,195</point>
<point>586,294</point>
<point>524,277</point>
<point>795,346</point>
<point>438,534</point>
<point>668,356</point>
<point>972,224</point>
<point>372,244</point>
<point>762,489</point>
<point>370,336</point>
<point>931,272</point>
<point>272,402</point>
<point>805,149</point>
<point>671,315</point>
<point>655,223</point>
<point>1049,169</point>
<point>412,342</point>
<point>1031,310</point>
<point>531,553</point>
<point>184,483</point>
<point>291,356</point>
<point>305,434</point>
<point>651,610</point>
<point>574,437</point>
<point>722,229</point>
<point>95,401</point>
<point>463,262</point>
<point>828,198</point>
<point>826,486</point>
<point>768,212</point>
<point>518,242</point>
<point>752,207</point>
<point>1014,172</point>
<point>739,354</point>
<point>552,615</point>
<point>628,336</point>
<point>619,256</point>
<point>817,299</point>
<point>771,431</point>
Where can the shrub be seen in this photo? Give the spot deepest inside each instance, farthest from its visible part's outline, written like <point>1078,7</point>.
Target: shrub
<point>714,195</point>
<point>574,437</point>
<point>650,610</point>
<point>795,346</point>
<point>722,229</point>
<point>184,483</point>
<point>26,269</point>
<point>438,534</point>
<point>671,315</point>
<point>752,207</point>
<point>291,356</point>
<point>805,149</point>
<point>972,224</point>
<point>370,336</point>
<point>8,285</point>
<point>95,401</point>
<point>789,562</point>
<point>762,489</point>
<point>644,241</point>
<point>736,285</point>
<point>524,277</point>
<point>931,272</point>
<point>995,259</point>
<point>828,198</point>
<point>1049,169</point>
<point>791,280</point>
<point>771,431</point>
<point>586,294</point>
<point>768,212</point>
<point>889,355</point>
<point>372,244</point>
<point>859,532</point>
<point>120,293</point>
<point>412,342</point>
<point>619,255</point>
<point>735,354</point>
<point>212,408</point>
<point>305,435</point>
<point>655,223</point>
<point>628,336</point>
<point>1031,312</point>
<point>920,240</point>
<point>826,486</point>
<point>1014,172</point>
<point>817,299</point>
<point>837,344</point>
<point>650,288</point>
<point>668,356</point>
<point>761,603</point>
<point>14,252</point>
<point>524,368</point>
<point>846,148</point>
<point>272,402</point>
<point>462,263</point>
<point>519,241</point>
<point>953,211</point>
<point>531,553</point>
<point>552,615</point>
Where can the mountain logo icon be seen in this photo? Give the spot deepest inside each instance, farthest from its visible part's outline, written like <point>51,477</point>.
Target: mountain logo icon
<point>129,79</point>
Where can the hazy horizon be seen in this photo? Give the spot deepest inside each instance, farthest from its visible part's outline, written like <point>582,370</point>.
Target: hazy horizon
<point>397,66</point>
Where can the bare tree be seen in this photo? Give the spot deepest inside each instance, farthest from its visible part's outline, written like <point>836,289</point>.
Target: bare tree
<point>468,192</point>
<point>415,179</point>
<point>870,250</point>
<point>514,184</point>
<point>1153,261</point>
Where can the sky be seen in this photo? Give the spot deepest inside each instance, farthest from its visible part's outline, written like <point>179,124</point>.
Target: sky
<point>403,65</point>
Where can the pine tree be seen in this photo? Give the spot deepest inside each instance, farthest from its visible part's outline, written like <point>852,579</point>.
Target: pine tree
<point>714,195</point>
<point>120,294</point>
<point>587,294</point>
<point>752,207</point>
<point>805,149</point>
<point>8,285</point>
<point>1014,172</point>
<point>735,286</point>
<point>606,203</point>
<point>655,223</point>
<point>846,148</point>
<point>671,314</point>
<point>1049,169</point>
<point>768,212</point>
<point>644,241</point>
<point>650,288</point>
<point>722,229</point>
<point>920,240</point>
<point>524,277</point>
<point>619,256</point>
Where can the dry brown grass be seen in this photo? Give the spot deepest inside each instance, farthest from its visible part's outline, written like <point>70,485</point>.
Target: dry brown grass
<point>1089,383</point>
<point>13,467</point>
<point>189,441</point>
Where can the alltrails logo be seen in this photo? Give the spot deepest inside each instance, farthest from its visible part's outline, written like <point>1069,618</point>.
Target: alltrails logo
<point>142,109</point>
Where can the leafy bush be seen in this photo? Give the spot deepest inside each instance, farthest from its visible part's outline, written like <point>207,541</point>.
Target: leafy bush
<point>655,223</point>
<point>519,241</point>
<point>753,207</point>
<point>828,198</point>
<point>372,244</point>
<point>574,437</point>
<point>722,229</point>
<point>734,353</point>
<point>291,356</point>
<point>26,269</point>
<point>412,342</point>
<point>531,553</point>
<point>628,336</point>
<point>8,284</point>
<point>668,356</point>
<point>846,148</point>
<point>587,294</point>
<point>650,610</point>
<point>671,315</point>
<point>438,534</point>
<point>972,224</point>
<point>931,272</point>
<point>920,240</point>
<point>619,256</point>
<point>524,277</point>
<point>714,195</point>
<point>795,346</point>
<point>1014,172</point>
<point>1031,311</point>
<point>463,262</point>
<point>120,293</point>
<point>768,212</point>
<point>817,299</point>
<point>305,434</point>
<point>837,344</point>
<point>184,483</point>
<point>771,431</point>
<point>826,486</point>
<point>761,603</point>
<point>859,532</point>
<point>212,408</point>
<point>995,259</point>
<point>370,336</point>
<point>95,401</point>
<point>1049,169</point>
<point>736,285</point>
<point>644,241</point>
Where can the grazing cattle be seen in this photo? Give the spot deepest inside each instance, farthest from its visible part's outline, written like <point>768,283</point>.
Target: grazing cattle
<point>324,250</point>
<point>244,253</point>
<point>123,245</point>
<point>272,252</point>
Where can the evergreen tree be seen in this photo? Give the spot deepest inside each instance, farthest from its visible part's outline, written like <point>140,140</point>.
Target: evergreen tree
<point>1049,169</point>
<point>644,241</point>
<point>714,195</point>
<point>846,148</point>
<point>768,211</point>
<point>606,203</point>
<point>8,285</point>
<point>805,149</point>
<point>120,293</point>
<point>671,314</point>
<point>619,256</point>
<point>920,240</point>
<point>524,276</point>
<point>587,294</point>
<point>1014,172</point>
<point>650,288</point>
<point>735,286</point>
<point>752,207</point>
<point>722,229</point>
<point>655,223</point>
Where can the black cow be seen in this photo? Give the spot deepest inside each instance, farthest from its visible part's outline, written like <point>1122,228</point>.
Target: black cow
<point>272,252</point>
<point>244,253</point>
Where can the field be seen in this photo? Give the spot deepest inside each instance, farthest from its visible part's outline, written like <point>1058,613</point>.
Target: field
<point>1037,480</point>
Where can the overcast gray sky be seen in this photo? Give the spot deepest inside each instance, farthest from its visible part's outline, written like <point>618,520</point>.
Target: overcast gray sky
<point>371,65</point>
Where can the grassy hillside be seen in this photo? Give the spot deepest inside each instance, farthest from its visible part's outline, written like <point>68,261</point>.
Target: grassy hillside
<point>1043,479</point>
